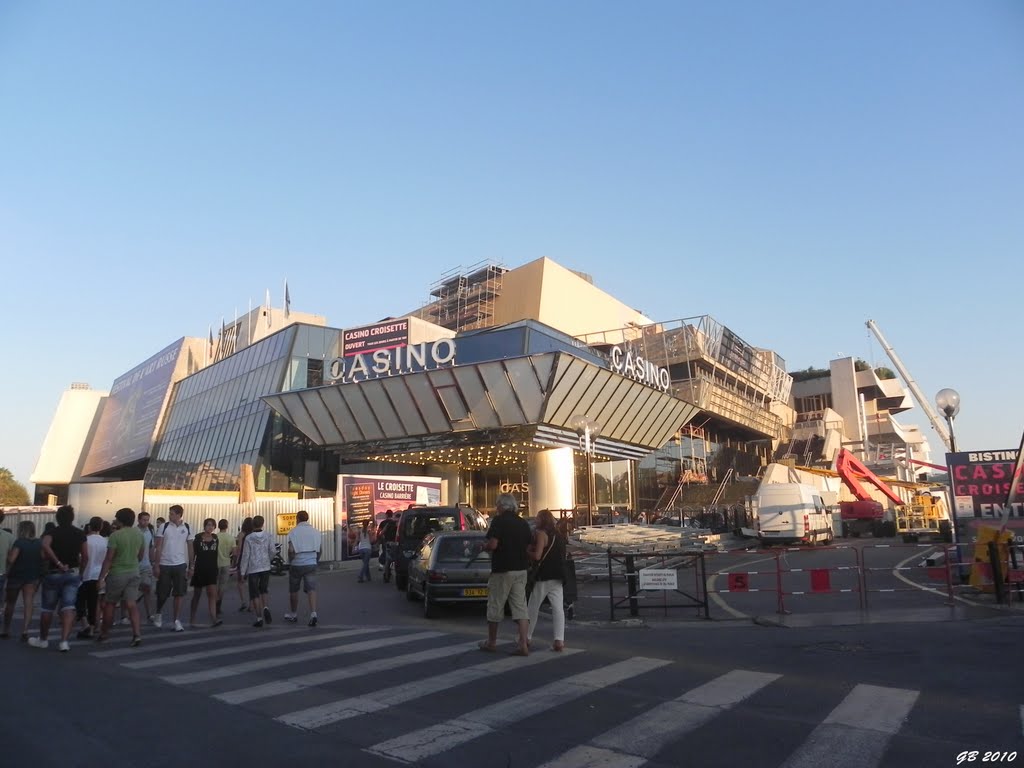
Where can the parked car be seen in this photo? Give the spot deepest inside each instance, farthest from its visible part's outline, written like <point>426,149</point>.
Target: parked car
<point>417,522</point>
<point>450,567</point>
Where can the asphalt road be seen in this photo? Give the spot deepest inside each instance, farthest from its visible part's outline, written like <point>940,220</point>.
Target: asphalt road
<point>377,684</point>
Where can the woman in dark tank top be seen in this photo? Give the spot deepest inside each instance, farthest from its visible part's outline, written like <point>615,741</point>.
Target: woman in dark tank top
<point>548,551</point>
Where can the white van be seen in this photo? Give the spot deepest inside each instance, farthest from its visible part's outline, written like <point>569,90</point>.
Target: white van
<point>789,513</point>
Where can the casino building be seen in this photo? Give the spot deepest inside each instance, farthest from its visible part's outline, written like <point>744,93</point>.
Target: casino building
<point>530,380</point>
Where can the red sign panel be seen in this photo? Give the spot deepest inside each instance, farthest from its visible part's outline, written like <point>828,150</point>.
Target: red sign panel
<point>738,582</point>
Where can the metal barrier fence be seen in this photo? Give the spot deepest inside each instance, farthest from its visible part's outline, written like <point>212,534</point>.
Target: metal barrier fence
<point>743,580</point>
<point>996,568</point>
<point>321,517</point>
<point>39,518</point>
<point>650,579</point>
<point>919,566</point>
<point>783,581</point>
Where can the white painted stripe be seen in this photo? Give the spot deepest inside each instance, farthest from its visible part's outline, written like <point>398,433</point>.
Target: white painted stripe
<point>335,711</point>
<point>857,732</point>
<point>426,742</point>
<point>636,741</point>
<point>301,682</point>
<point>164,642</point>
<point>284,639</point>
<point>595,757</point>
<point>258,665</point>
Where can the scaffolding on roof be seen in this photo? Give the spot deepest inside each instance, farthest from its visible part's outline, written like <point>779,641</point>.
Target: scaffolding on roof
<point>463,298</point>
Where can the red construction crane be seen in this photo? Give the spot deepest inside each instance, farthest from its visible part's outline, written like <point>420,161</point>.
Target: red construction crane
<point>864,515</point>
<point>852,472</point>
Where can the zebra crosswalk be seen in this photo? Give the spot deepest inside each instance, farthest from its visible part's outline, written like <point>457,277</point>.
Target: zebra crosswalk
<point>429,697</point>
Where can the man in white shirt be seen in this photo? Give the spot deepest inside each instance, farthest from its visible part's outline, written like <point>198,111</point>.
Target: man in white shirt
<point>173,564</point>
<point>304,543</point>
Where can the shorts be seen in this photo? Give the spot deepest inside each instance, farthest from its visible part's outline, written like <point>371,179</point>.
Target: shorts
<point>146,580</point>
<point>172,580</point>
<point>223,573</point>
<point>259,584</point>
<point>122,586</point>
<point>60,590</point>
<point>304,575</point>
<point>15,584</point>
<point>510,587</point>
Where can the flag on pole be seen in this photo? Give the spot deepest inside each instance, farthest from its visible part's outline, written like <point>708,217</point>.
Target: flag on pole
<point>287,300</point>
<point>267,311</point>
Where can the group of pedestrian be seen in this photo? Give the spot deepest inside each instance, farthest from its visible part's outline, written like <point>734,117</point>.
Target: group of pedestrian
<point>63,560</point>
<point>88,574</point>
<point>513,547</point>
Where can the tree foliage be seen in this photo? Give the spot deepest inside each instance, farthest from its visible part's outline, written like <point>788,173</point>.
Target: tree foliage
<point>810,373</point>
<point>12,493</point>
<point>861,365</point>
<point>885,373</point>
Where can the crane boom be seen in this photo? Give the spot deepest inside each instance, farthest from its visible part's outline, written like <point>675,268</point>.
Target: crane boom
<point>922,401</point>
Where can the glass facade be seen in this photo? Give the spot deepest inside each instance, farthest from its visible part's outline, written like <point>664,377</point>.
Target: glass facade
<point>217,421</point>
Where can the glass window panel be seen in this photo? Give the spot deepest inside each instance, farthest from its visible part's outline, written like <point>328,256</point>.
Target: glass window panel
<point>635,398</point>
<point>405,406</point>
<point>428,403</point>
<point>363,412</point>
<point>237,436</point>
<point>571,397</point>
<point>526,386</point>
<point>473,394</point>
<point>322,418</point>
<point>454,407</point>
<point>341,414</point>
<point>500,394</point>
<point>383,411</point>
<point>639,423</point>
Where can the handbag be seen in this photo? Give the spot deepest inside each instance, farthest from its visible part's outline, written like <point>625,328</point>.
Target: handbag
<point>531,572</point>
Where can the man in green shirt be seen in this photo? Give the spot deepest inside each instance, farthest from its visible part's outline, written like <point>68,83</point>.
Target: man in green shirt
<point>119,576</point>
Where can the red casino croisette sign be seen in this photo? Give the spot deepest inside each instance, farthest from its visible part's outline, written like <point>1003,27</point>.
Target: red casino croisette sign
<point>982,482</point>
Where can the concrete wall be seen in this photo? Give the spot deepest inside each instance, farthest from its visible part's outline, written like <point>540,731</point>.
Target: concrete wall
<point>104,499</point>
<point>67,437</point>
<point>845,401</point>
<point>546,291</point>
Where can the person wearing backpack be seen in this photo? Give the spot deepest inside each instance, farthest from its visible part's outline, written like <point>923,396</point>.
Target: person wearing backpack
<point>172,565</point>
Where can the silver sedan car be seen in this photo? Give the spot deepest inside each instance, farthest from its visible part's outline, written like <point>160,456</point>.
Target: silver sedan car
<point>450,567</point>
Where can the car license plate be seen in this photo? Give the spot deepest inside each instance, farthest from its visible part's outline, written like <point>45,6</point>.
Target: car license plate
<point>475,592</point>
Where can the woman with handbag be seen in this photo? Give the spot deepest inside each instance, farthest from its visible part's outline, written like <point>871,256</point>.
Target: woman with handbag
<point>548,553</point>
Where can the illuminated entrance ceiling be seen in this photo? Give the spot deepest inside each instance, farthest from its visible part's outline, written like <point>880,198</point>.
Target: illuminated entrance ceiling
<point>486,412</point>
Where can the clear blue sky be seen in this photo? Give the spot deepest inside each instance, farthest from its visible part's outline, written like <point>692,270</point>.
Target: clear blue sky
<point>792,168</point>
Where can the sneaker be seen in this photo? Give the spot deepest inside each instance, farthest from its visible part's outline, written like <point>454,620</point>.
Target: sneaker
<point>136,642</point>
<point>258,623</point>
<point>178,627</point>
<point>157,619</point>
<point>293,618</point>
<point>125,621</point>
<point>64,646</point>
<point>312,619</point>
<point>35,642</point>
<point>266,615</point>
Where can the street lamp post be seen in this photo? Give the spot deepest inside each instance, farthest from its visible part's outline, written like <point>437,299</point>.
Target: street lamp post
<point>588,430</point>
<point>948,402</point>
